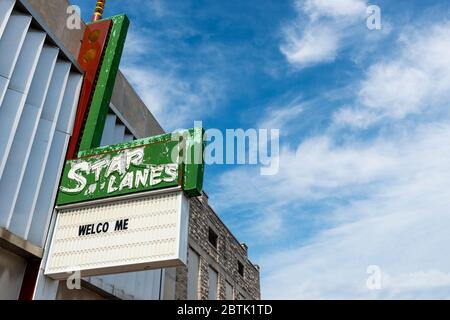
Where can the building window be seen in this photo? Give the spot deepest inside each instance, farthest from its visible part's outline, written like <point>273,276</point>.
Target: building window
<point>212,284</point>
<point>228,291</point>
<point>212,237</point>
<point>193,273</point>
<point>241,268</point>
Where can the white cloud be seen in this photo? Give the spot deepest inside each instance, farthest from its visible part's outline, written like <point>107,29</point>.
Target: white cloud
<point>356,118</point>
<point>321,37</point>
<point>161,85</point>
<point>279,117</point>
<point>417,280</point>
<point>315,169</point>
<point>176,102</point>
<point>395,89</point>
<point>158,7</point>
<point>415,81</point>
<point>337,8</point>
<point>315,45</point>
<point>136,45</point>
<point>392,190</point>
<point>400,222</point>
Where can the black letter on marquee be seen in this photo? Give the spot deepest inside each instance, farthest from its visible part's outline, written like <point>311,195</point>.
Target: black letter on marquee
<point>121,225</point>
<point>82,230</point>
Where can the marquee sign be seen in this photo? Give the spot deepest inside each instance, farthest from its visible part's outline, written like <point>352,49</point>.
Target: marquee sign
<point>125,207</point>
<point>130,233</point>
<point>122,207</point>
<point>157,162</point>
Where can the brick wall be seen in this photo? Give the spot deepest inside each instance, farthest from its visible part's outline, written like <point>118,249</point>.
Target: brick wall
<point>224,259</point>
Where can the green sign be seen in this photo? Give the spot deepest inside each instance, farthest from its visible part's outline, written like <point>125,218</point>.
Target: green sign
<point>163,161</point>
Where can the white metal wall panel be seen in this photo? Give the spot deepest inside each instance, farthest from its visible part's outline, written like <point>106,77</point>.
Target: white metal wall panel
<point>6,7</point>
<point>115,131</point>
<point>12,106</point>
<point>128,137</point>
<point>69,104</point>
<point>24,138</point>
<point>11,42</point>
<point>10,45</point>
<point>36,213</point>
<point>42,76</point>
<point>27,61</point>
<point>42,142</point>
<point>47,175</point>
<point>10,112</point>
<point>20,82</point>
<point>17,160</point>
<point>56,91</point>
<point>109,130</point>
<point>3,86</point>
<point>119,133</point>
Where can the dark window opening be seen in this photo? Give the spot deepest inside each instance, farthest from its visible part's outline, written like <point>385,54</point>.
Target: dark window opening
<point>213,237</point>
<point>241,268</point>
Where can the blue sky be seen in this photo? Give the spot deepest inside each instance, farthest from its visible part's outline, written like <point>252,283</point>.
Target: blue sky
<point>364,122</point>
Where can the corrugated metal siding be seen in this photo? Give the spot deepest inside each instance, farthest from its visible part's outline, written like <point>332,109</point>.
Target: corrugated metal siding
<point>39,93</point>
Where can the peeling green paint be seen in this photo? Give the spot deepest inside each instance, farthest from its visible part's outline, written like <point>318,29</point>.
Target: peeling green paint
<point>152,163</point>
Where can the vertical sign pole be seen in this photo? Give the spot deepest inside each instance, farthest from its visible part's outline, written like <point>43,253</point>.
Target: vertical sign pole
<point>98,13</point>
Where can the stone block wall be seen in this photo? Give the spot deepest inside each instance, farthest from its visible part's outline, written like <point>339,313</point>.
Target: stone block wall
<point>223,259</point>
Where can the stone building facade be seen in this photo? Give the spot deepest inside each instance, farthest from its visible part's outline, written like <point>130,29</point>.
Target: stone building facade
<point>218,252</point>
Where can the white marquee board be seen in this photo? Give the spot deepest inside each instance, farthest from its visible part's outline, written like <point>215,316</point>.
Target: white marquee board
<point>122,235</point>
